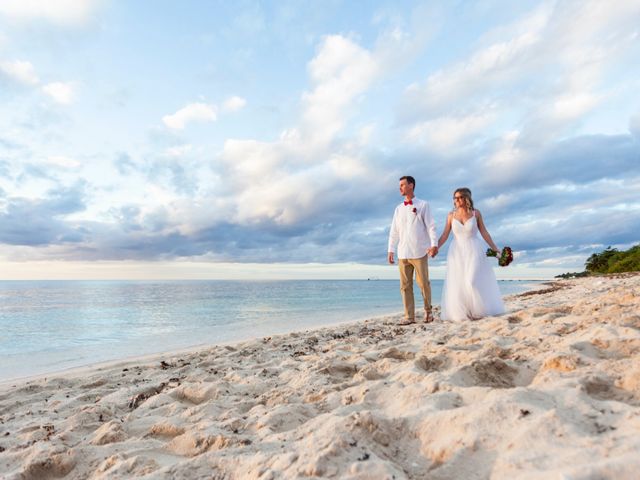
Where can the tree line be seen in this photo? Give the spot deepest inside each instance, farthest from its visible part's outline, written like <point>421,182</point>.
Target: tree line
<point>610,260</point>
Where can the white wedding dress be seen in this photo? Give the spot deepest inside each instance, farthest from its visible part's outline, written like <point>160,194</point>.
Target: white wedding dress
<point>470,287</point>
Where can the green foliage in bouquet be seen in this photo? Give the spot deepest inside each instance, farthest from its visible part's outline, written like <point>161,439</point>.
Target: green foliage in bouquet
<point>506,256</point>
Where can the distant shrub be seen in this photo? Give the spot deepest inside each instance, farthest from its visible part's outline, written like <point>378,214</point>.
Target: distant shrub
<point>610,260</point>
<point>628,261</point>
<point>599,262</point>
<point>573,275</point>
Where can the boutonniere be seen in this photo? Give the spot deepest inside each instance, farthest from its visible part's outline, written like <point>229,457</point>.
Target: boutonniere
<point>415,211</point>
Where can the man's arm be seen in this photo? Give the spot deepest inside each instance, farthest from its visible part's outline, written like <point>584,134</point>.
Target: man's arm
<point>394,236</point>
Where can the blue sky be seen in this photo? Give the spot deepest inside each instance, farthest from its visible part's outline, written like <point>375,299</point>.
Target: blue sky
<point>197,139</point>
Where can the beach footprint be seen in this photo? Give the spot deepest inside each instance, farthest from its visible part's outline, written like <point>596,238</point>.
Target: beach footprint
<point>490,372</point>
<point>601,387</point>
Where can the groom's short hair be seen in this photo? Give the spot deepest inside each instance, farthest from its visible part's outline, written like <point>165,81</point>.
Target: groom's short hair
<point>410,180</point>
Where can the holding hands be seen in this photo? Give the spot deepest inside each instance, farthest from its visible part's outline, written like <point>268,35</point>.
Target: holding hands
<point>432,252</point>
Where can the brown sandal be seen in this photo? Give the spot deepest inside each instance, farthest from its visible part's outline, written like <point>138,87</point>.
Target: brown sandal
<point>407,321</point>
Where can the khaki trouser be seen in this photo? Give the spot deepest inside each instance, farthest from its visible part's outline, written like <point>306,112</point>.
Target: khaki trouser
<point>421,267</point>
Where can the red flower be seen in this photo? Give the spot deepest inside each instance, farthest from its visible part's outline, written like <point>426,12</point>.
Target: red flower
<point>415,210</point>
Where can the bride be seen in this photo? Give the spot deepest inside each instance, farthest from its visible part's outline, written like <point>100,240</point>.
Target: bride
<point>470,287</point>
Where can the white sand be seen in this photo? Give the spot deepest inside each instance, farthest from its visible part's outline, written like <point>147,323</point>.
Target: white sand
<point>550,390</point>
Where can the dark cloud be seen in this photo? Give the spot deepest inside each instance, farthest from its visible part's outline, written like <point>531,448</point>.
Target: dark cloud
<point>578,160</point>
<point>41,222</point>
<point>599,227</point>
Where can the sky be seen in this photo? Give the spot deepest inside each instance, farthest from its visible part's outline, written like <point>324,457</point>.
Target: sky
<point>215,139</point>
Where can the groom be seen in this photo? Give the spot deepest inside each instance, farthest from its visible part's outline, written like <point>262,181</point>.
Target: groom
<point>413,232</point>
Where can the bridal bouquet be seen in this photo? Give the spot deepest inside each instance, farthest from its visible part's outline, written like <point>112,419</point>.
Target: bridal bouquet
<point>506,256</point>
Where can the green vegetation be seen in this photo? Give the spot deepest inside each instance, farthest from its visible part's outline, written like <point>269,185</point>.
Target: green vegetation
<point>610,260</point>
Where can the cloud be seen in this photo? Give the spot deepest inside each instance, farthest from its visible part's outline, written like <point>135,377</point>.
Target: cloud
<point>634,125</point>
<point>573,105</point>
<point>581,159</point>
<point>180,175</point>
<point>174,173</point>
<point>509,158</point>
<point>404,35</point>
<point>194,112</point>
<point>34,222</point>
<point>24,73</point>
<point>549,232</point>
<point>59,92</point>
<point>347,167</point>
<point>279,200</point>
<point>565,217</point>
<point>124,164</point>
<point>340,71</point>
<point>61,161</point>
<point>503,118</point>
<point>178,151</point>
<point>267,175</point>
<point>546,67</point>
<point>61,12</point>
<point>233,104</point>
<point>20,71</point>
<point>340,210</point>
<point>449,131</point>
<point>497,64</point>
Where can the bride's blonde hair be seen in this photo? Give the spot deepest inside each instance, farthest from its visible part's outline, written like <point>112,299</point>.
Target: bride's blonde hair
<point>466,194</point>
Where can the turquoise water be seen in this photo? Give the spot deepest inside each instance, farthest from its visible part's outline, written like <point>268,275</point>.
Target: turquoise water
<point>49,326</point>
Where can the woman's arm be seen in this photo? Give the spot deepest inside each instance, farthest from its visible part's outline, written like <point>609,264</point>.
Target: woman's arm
<point>445,233</point>
<point>484,232</point>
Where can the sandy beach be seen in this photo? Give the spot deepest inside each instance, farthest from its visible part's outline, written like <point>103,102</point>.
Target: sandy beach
<point>549,390</point>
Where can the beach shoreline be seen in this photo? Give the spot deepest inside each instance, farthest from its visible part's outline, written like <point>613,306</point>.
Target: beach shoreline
<point>159,356</point>
<point>366,399</point>
<point>79,369</point>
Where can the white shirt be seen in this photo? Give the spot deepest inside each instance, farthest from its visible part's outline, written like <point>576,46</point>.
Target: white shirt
<point>413,230</point>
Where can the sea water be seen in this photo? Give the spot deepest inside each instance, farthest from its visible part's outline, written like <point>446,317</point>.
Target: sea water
<point>49,326</point>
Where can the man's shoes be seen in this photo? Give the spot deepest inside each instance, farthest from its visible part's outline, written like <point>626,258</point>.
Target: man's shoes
<point>407,321</point>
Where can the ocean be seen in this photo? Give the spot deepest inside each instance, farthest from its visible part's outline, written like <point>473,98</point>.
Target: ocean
<point>50,326</point>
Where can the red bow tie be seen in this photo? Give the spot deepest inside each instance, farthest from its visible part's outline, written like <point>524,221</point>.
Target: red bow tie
<point>408,203</point>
